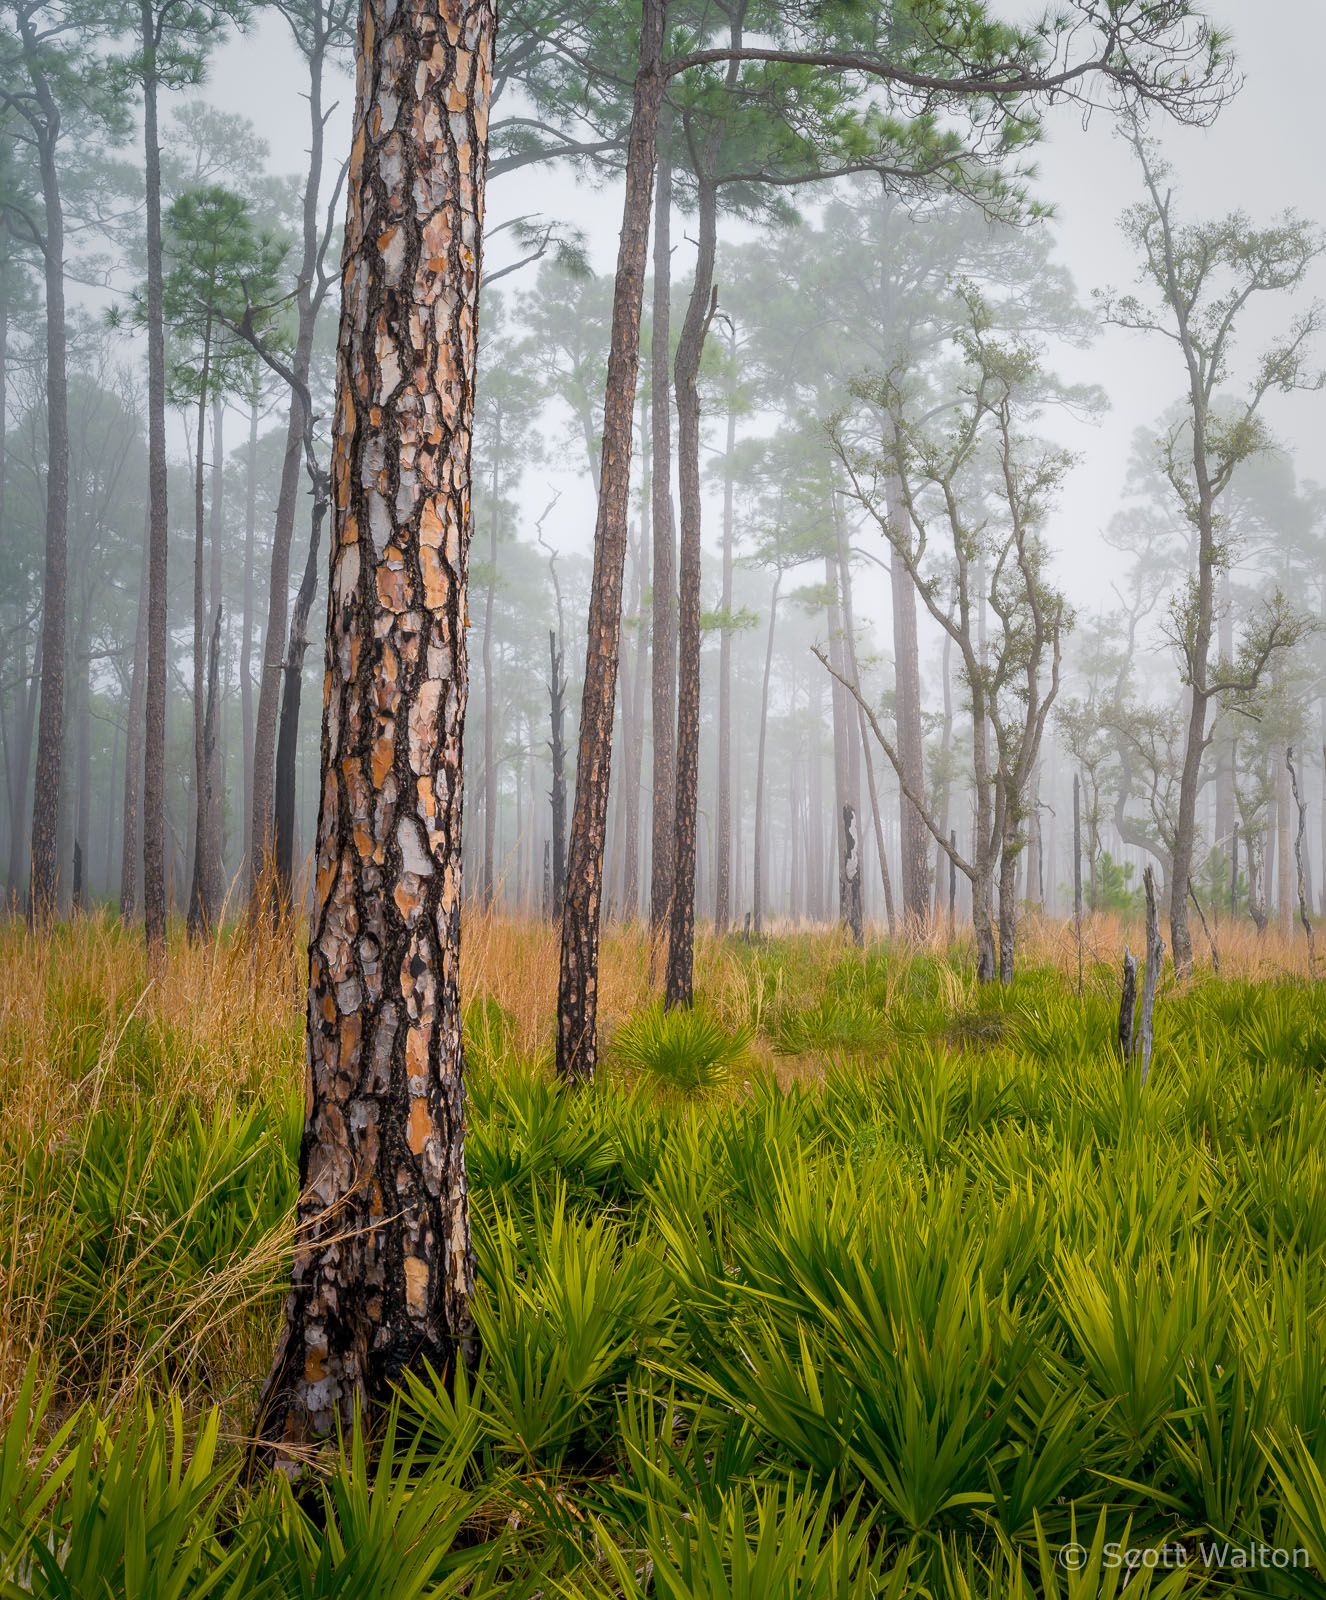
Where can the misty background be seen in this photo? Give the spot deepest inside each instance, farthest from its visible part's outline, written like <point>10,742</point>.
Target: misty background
<point>779,366</point>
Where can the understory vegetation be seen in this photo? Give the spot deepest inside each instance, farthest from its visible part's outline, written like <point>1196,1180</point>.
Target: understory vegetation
<point>861,1280</point>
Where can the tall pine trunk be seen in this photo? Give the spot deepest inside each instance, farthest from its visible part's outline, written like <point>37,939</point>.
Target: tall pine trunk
<point>384,1270</point>
<point>246,630</point>
<point>577,991</point>
<point>158,639</point>
<point>44,887</point>
<point>663,633</point>
<point>272,661</point>
<point>201,910</point>
<point>723,826</point>
<point>758,863</point>
<point>133,742</point>
<point>679,980</point>
<point>914,838</point>
<point>489,699</point>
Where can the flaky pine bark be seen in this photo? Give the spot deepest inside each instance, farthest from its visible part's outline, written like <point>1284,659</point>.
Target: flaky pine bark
<point>383,1267</point>
<point>663,634</point>
<point>678,989</point>
<point>577,991</point>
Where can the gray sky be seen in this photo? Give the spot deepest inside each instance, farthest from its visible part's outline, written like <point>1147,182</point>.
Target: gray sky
<point>1261,156</point>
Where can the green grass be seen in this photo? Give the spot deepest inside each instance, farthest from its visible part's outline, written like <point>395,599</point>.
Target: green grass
<point>907,1323</point>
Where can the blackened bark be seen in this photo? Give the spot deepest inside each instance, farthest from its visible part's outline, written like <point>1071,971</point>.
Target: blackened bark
<point>383,1271</point>
<point>577,993</point>
<point>663,633</point>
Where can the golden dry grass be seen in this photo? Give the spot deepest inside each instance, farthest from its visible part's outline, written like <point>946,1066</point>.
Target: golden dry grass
<point>220,1026</point>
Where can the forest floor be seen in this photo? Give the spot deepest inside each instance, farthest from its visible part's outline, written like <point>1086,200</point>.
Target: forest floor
<point>860,1280</point>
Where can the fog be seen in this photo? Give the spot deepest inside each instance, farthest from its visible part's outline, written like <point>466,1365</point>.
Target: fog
<point>540,397</point>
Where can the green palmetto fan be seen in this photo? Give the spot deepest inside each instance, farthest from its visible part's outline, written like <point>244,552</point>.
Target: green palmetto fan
<point>687,1049</point>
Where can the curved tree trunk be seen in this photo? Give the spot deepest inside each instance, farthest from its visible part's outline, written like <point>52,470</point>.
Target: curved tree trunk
<point>913,838</point>
<point>577,990</point>
<point>384,1270</point>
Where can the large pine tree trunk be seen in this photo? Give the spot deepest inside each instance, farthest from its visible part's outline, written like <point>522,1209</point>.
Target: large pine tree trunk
<point>577,990</point>
<point>50,722</point>
<point>384,1270</point>
<point>679,979</point>
<point>158,633</point>
<point>663,635</point>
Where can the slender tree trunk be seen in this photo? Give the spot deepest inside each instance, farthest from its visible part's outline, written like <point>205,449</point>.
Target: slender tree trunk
<point>757,867</point>
<point>200,911</point>
<point>663,633</point>
<point>679,980</point>
<point>246,629</point>
<point>158,639</point>
<point>384,1271</point>
<point>723,839</point>
<point>635,748</point>
<point>914,839</point>
<point>557,747</point>
<point>849,626</point>
<point>287,737</point>
<point>1284,860</point>
<point>133,741</point>
<point>309,302</point>
<point>44,889</point>
<point>577,994</point>
<point>489,701</point>
<point>83,766</point>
